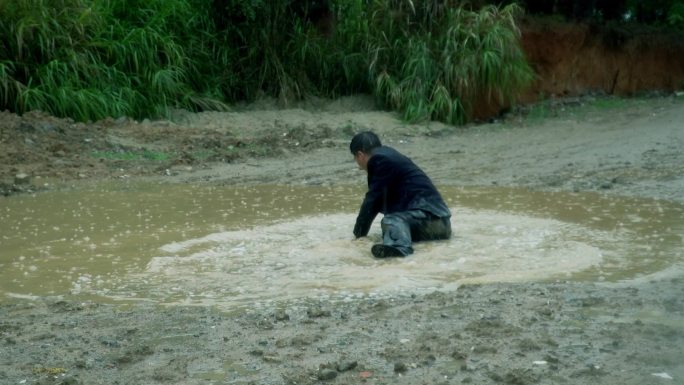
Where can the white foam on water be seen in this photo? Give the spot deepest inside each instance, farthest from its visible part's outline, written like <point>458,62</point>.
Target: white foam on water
<point>314,256</point>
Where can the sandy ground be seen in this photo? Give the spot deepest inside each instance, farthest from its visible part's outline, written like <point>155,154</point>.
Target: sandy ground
<point>522,333</point>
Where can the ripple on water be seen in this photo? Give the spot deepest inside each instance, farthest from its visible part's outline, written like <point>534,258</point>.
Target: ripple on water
<point>240,245</point>
<point>316,256</point>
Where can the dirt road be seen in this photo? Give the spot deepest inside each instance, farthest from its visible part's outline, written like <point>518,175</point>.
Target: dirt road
<point>523,333</point>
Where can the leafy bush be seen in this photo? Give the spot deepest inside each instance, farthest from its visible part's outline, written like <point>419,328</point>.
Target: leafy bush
<point>90,59</point>
<point>676,14</point>
<point>426,62</point>
<point>438,67</point>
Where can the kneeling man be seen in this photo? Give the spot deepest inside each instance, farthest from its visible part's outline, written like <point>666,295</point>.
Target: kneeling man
<point>413,208</point>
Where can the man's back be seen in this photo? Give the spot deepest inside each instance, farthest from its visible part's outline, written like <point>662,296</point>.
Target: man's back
<point>396,184</point>
<point>404,185</point>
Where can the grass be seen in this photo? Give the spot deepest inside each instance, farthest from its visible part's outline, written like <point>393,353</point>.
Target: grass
<point>204,154</point>
<point>158,156</point>
<point>608,103</point>
<point>539,111</point>
<point>583,108</point>
<point>89,59</point>
<point>438,66</point>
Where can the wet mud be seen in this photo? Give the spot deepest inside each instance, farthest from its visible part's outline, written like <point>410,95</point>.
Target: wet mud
<point>527,333</point>
<point>566,266</point>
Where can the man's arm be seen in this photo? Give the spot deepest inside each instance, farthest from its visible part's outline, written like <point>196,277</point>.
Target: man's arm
<point>369,210</point>
<point>380,173</point>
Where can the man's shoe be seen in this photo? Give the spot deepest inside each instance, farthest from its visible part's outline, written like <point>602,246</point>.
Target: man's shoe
<point>384,251</point>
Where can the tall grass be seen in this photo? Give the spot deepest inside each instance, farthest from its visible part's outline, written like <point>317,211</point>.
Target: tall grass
<point>89,59</point>
<point>420,57</point>
<point>437,65</point>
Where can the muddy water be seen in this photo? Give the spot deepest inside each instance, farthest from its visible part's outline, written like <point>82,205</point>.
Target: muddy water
<point>231,246</point>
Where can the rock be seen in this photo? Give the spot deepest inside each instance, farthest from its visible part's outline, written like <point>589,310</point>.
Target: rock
<point>317,313</point>
<point>44,127</point>
<point>344,366</point>
<point>326,374</point>
<point>22,179</point>
<point>272,358</point>
<point>110,343</point>
<point>164,375</point>
<point>134,353</point>
<point>551,359</point>
<point>545,312</point>
<point>25,127</point>
<point>607,185</point>
<point>484,349</point>
<point>70,381</point>
<point>264,324</point>
<point>280,315</point>
<point>400,367</point>
<point>300,340</point>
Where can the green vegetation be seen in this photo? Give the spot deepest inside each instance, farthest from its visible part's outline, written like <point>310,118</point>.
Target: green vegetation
<point>540,110</point>
<point>89,59</point>
<point>132,155</point>
<point>608,103</point>
<point>585,108</point>
<point>440,66</point>
<point>92,59</point>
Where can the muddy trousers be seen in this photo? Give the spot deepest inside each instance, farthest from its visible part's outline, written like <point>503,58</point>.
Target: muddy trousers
<point>401,229</point>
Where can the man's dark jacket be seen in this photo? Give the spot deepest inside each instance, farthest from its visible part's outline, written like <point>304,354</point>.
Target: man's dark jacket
<point>396,184</point>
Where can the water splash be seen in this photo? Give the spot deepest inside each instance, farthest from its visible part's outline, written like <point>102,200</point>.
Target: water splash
<point>231,246</point>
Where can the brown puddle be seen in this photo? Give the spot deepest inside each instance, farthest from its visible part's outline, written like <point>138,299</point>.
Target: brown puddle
<point>232,246</point>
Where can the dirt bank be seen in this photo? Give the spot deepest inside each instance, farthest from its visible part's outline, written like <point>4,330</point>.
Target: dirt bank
<point>615,59</point>
<point>532,333</point>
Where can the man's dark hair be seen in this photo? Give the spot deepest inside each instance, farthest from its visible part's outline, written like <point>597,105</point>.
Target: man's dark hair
<point>365,142</point>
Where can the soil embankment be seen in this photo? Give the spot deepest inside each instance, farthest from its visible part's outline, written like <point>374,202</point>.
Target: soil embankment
<point>575,59</point>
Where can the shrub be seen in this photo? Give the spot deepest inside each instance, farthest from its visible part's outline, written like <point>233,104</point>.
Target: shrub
<point>89,59</point>
<point>438,67</point>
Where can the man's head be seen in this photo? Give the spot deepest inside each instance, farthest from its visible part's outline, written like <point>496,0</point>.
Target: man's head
<point>362,145</point>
